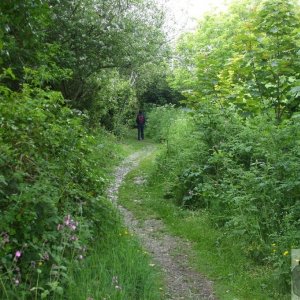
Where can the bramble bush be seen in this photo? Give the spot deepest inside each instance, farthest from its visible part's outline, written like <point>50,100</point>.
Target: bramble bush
<point>245,171</point>
<point>53,176</point>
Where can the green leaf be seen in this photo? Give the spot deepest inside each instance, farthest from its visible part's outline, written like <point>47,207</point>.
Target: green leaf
<point>45,294</point>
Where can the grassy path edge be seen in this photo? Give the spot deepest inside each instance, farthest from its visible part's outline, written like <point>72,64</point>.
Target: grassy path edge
<point>235,277</point>
<point>169,252</point>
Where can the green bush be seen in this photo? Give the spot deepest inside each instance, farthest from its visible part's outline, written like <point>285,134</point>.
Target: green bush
<point>52,184</point>
<point>245,172</point>
<point>159,122</point>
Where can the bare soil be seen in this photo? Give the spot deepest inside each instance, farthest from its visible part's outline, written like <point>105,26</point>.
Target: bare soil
<point>170,253</point>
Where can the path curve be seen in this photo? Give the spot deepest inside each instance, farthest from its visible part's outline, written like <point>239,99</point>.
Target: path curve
<point>169,252</point>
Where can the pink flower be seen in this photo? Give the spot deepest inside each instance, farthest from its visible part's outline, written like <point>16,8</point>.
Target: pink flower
<point>70,222</point>
<point>18,254</point>
<point>46,256</point>
<point>67,220</point>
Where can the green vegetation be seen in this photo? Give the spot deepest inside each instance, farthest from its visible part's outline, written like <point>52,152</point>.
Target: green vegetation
<point>236,154</point>
<point>117,268</point>
<point>242,174</point>
<point>53,180</point>
<point>73,74</point>
<point>70,71</point>
<point>246,58</point>
<point>217,254</point>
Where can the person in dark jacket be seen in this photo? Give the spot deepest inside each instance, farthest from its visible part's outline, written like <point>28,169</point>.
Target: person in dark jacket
<point>140,121</point>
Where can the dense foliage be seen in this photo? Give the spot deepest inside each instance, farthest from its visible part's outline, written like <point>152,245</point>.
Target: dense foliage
<point>244,172</point>
<point>247,57</point>
<point>51,193</point>
<point>66,68</point>
<point>69,66</point>
<point>236,153</point>
<point>100,55</point>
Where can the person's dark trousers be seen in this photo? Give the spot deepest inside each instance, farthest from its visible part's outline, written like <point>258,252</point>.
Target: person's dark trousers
<point>140,132</point>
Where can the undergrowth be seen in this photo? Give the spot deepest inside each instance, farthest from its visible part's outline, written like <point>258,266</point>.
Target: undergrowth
<point>218,253</point>
<point>244,172</point>
<point>60,237</point>
<point>117,268</point>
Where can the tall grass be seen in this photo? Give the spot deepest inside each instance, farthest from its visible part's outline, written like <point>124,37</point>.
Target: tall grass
<point>118,268</point>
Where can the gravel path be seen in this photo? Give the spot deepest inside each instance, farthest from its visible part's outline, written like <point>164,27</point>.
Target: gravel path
<point>169,252</point>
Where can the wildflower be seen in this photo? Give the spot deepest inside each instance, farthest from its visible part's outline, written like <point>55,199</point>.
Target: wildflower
<point>18,254</point>
<point>40,263</point>
<point>151,265</point>
<point>73,238</point>
<point>80,256</point>
<point>117,287</point>
<point>67,220</point>
<point>274,245</point>
<point>17,281</point>
<point>285,253</point>
<point>46,256</point>
<point>70,222</point>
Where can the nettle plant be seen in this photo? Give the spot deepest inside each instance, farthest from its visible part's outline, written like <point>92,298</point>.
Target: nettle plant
<point>52,194</point>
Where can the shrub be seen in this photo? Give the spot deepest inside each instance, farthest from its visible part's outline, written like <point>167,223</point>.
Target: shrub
<point>52,190</point>
<point>245,172</point>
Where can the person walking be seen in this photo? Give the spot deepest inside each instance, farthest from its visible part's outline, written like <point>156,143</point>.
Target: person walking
<point>140,121</point>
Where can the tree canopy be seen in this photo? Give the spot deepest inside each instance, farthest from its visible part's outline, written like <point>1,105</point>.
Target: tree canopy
<point>247,57</point>
<point>75,47</point>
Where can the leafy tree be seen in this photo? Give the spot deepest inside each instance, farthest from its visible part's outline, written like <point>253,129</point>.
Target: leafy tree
<point>23,25</point>
<point>69,45</point>
<point>247,57</point>
<point>278,31</point>
<point>100,35</point>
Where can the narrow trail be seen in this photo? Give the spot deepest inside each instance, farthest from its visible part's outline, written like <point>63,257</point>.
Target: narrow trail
<point>169,252</point>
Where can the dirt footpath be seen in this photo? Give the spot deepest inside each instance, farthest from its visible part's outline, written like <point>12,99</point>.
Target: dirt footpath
<point>169,252</point>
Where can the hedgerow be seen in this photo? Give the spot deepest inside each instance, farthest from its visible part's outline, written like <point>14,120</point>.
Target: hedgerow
<point>52,184</point>
<point>245,172</point>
